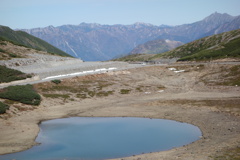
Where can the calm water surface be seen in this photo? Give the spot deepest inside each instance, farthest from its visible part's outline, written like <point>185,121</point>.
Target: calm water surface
<point>81,138</point>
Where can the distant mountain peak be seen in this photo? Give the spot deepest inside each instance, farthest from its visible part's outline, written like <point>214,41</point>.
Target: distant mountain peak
<point>92,25</point>
<point>219,14</point>
<point>224,17</point>
<point>142,24</point>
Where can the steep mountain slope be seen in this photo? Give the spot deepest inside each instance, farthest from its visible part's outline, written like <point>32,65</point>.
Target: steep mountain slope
<point>93,42</point>
<point>217,46</point>
<point>24,39</point>
<point>156,46</point>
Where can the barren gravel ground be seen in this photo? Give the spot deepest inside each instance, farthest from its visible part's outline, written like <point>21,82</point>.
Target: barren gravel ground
<point>192,96</point>
<point>47,65</point>
<point>43,66</point>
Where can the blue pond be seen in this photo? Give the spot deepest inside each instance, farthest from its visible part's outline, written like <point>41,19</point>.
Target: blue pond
<point>80,138</point>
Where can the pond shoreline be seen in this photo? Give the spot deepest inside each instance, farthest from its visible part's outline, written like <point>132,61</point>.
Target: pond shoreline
<point>152,134</point>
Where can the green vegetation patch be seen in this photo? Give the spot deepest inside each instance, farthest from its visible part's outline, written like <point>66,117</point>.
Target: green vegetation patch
<point>65,96</point>
<point>104,93</point>
<point>91,93</point>
<point>12,55</point>
<point>142,88</point>
<point>8,75</point>
<point>3,108</point>
<point>2,50</point>
<point>135,58</point>
<point>82,95</point>
<point>24,94</point>
<point>125,91</point>
<point>139,89</point>
<point>3,43</point>
<point>56,81</point>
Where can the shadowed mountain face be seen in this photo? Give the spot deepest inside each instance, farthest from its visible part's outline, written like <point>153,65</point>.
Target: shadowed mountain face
<point>93,42</point>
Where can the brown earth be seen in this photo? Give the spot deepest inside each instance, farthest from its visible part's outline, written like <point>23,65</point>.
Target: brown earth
<point>205,95</point>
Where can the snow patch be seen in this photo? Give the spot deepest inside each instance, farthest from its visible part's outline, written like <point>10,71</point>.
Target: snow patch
<point>175,70</point>
<point>179,71</point>
<point>147,92</point>
<point>101,70</point>
<point>167,41</point>
<point>71,49</point>
<point>172,69</point>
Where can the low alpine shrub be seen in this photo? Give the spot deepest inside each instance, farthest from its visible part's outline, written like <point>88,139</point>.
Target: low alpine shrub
<point>3,108</point>
<point>24,94</point>
<point>56,81</point>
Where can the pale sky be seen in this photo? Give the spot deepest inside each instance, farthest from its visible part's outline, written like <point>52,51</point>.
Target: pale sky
<point>26,14</point>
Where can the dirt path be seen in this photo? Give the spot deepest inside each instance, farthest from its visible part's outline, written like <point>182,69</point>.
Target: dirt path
<point>154,92</point>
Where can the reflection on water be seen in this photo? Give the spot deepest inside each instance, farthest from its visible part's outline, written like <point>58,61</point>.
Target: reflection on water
<point>81,138</point>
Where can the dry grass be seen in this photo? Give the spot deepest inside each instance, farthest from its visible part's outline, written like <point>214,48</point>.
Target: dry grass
<point>228,154</point>
<point>222,75</point>
<point>231,106</point>
<point>78,87</point>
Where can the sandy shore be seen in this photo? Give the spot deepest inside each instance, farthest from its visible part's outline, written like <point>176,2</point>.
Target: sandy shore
<point>183,98</point>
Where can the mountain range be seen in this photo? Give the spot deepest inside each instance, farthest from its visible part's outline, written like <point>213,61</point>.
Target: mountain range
<point>95,42</point>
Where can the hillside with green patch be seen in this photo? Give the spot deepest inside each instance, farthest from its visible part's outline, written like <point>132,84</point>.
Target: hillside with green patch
<point>225,45</point>
<point>135,57</point>
<point>24,39</point>
<point>8,75</point>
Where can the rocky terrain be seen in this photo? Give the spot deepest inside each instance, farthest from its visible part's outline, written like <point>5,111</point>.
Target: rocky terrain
<point>200,94</point>
<point>93,42</point>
